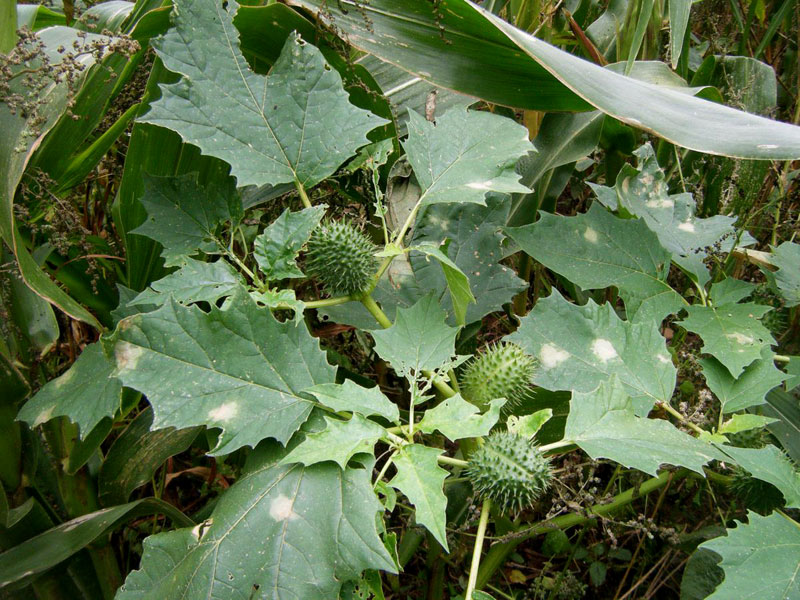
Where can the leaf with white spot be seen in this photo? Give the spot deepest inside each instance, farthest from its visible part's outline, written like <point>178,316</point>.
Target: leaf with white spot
<point>183,216</point>
<point>276,248</point>
<point>579,347</point>
<point>597,250</point>
<point>421,479</point>
<point>786,258</point>
<point>465,154</point>
<point>456,418</point>
<point>339,442</point>
<point>419,340</point>
<point>281,532</point>
<point>749,389</point>
<point>771,465</point>
<point>352,397</point>
<point>731,333</point>
<point>761,559</point>
<point>603,423</point>
<point>235,368</point>
<point>195,281</point>
<point>86,393</point>
<point>294,125</point>
<point>643,192</point>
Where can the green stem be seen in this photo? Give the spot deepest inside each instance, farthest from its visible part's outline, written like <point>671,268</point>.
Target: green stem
<point>454,462</point>
<point>498,554</point>
<point>556,445</point>
<point>451,375</point>
<point>369,303</point>
<point>476,551</point>
<point>329,302</point>
<point>302,191</point>
<point>680,417</point>
<point>384,468</point>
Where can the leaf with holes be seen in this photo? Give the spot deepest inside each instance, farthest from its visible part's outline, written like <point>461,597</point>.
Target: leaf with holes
<point>235,368</point>
<point>280,531</point>
<point>579,347</point>
<point>294,125</point>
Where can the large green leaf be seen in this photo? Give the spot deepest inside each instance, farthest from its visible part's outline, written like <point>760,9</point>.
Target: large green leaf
<point>195,281</point>
<point>476,246</point>
<point>732,333</point>
<point>21,563</point>
<point>295,125</point>
<point>579,347</point>
<point>280,532</point>
<point>463,47</point>
<point>749,389</point>
<point>419,340</point>
<point>771,465</point>
<point>183,216</point>
<point>786,430</point>
<point>760,559</point>
<point>276,248</point>
<point>464,155</point>
<point>598,250</point>
<point>604,425</point>
<point>338,442</point>
<point>643,192</point>
<point>421,479</point>
<point>85,394</point>
<point>237,368</point>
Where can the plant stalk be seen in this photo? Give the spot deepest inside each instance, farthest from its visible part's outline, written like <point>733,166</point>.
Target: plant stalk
<point>476,551</point>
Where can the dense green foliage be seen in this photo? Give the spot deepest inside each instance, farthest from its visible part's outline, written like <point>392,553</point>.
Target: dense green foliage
<point>380,299</point>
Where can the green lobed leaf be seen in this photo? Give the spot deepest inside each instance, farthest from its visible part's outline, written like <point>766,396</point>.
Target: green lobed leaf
<point>604,425</point>
<point>760,559</point>
<point>280,298</point>
<point>352,397</point>
<point>339,442</point>
<point>771,465</point>
<point>235,368</point>
<point>464,155</point>
<point>294,125</point>
<point>183,216</point>
<point>86,393</point>
<point>731,333</point>
<point>283,532</point>
<point>421,479</point>
<point>276,248</point>
<point>730,291</point>
<point>455,418</point>
<point>643,192</point>
<point>419,340</point>
<point>745,422</point>
<point>579,347</point>
<point>746,390</point>
<point>786,258</point>
<point>597,250</point>
<point>195,281</point>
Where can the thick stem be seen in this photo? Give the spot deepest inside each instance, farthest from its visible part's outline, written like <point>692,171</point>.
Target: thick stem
<point>476,551</point>
<point>499,553</point>
<point>302,191</point>
<point>329,302</point>
<point>680,417</point>
<point>453,462</point>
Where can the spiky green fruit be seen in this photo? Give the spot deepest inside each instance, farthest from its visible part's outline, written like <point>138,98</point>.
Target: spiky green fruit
<point>503,370</point>
<point>341,258</point>
<point>509,471</point>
